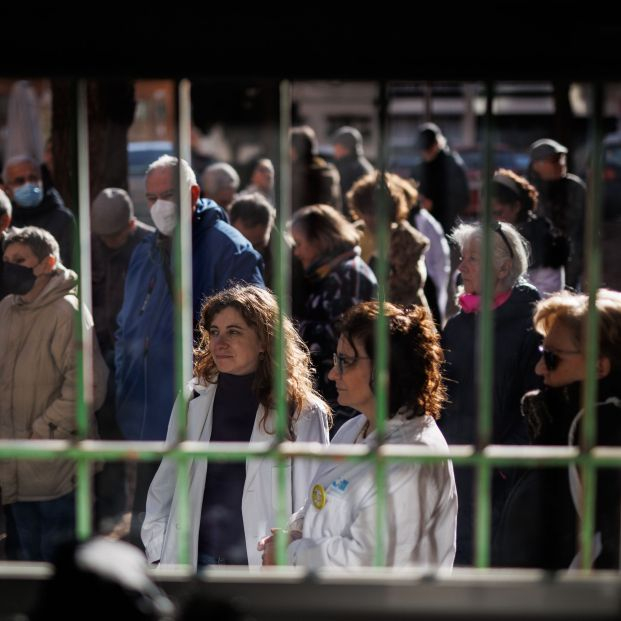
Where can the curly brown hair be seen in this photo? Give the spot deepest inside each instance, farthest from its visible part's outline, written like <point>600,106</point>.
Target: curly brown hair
<point>362,198</point>
<point>508,187</point>
<point>259,309</point>
<point>416,357</point>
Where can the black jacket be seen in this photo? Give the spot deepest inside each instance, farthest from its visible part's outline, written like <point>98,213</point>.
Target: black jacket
<point>539,523</point>
<point>515,356</point>
<point>443,180</point>
<point>51,215</point>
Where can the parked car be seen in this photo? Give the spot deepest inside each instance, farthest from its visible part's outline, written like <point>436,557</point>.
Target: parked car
<point>139,156</point>
<point>503,157</point>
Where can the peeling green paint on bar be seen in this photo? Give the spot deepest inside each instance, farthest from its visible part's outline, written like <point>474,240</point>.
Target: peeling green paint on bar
<point>485,348</point>
<point>282,293</point>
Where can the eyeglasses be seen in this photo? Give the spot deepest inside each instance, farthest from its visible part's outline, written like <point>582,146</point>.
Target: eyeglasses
<point>551,358</point>
<point>500,232</point>
<point>342,362</point>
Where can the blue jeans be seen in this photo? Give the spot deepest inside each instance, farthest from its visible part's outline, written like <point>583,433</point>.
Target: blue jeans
<point>41,526</point>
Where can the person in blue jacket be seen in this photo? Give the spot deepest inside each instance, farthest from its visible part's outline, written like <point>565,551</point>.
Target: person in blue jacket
<point>144,348</point>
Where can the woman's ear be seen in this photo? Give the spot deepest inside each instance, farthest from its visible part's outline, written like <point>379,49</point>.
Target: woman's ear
<point>603,367</point>
<point>504,270</point>
<point>48,264</point>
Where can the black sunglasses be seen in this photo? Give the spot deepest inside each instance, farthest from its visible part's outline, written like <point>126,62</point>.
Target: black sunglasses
<point>551,359</point>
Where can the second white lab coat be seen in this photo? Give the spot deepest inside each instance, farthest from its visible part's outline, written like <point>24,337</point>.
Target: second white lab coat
<point>421,506</point>
<point>160,531</point>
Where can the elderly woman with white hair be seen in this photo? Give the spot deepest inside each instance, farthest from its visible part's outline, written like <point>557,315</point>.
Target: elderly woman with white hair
<point>515,355</point>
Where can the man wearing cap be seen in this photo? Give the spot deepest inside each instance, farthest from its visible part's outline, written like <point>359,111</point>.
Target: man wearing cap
<point>115,234</point>
<point>443,185</point>
<point>562,198</point>
<point>349,157</point>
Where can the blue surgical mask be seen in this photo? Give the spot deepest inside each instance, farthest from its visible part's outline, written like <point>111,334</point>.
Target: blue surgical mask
<point>28,195</point>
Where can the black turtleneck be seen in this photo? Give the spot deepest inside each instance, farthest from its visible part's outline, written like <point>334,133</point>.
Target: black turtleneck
<point>222,529</point>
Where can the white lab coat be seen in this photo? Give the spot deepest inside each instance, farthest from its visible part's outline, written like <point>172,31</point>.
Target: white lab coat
<point>260,497</point>
<point>421,506</point>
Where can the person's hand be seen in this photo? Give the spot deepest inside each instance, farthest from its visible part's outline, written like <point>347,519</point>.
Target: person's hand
<point>268,544</point>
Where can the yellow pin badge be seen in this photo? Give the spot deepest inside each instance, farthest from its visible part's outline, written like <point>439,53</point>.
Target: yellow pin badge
<point>319,496</point>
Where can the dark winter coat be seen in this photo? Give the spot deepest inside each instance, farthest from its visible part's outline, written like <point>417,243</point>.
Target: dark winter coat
<point>51,215</point>
<point>144,351</point>
<point>539,523</point>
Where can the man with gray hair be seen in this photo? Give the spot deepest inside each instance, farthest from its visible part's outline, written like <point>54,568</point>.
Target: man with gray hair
<point>253,216</point>
<point>220,183</point>
<point>144,349</point>
<point>33,205</point>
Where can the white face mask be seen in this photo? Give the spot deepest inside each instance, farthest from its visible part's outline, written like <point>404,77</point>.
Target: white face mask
<point>164,215</point>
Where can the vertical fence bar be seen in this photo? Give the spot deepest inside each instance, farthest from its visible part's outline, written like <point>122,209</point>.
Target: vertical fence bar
<point>381,328</point>
<point>84,344</point>
<point>281,275</point>
<point>183,306</point>
<point>485,348</point>
<point>593,274</point>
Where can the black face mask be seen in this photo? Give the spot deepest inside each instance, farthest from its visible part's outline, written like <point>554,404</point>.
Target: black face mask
<point>17,278</point>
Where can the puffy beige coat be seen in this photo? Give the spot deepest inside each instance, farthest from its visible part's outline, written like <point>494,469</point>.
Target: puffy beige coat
<point>38,385</point>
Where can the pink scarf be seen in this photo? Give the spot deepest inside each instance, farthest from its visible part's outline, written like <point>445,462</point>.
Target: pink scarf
<point>471,302</point>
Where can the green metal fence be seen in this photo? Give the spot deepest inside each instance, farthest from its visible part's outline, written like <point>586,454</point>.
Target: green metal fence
<point>482,457</point>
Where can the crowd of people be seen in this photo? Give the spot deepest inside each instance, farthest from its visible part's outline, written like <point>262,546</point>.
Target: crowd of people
<point>431,286</point>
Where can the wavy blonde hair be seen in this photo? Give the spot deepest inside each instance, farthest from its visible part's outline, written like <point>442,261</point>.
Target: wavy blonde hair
<point>259,309</point>
<point>571,310</point>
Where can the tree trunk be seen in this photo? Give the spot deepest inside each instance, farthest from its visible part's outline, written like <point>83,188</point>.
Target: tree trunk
<point>110,113</point>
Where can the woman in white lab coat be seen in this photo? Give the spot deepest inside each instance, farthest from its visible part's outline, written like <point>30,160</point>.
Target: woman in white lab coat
<point>337,525</point>
<point>232,504</point>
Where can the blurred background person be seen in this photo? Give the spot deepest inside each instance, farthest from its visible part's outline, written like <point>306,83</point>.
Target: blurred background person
<point>443,184</point>
<point>233,504</point>
<point>33,205</point>
<point>39,375</point>
<point>407,246</point>
<point>349,158</point>
<point>514,200</point>
<point>313,180</point>
<point>254,216</point>
<point>437,258</point>
<point>220,184</point>
<point>337,525</point>
<point>515,355</point>
<point>337,279</point>
<point>562,199</point>
<point>262,180</point>
<point>540,521</point>
<point>115,234</point>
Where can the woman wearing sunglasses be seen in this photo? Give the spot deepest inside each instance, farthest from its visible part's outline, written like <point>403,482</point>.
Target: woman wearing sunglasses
<point>540,520</point>
<point>514,357</point>
<point>337,525</point>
